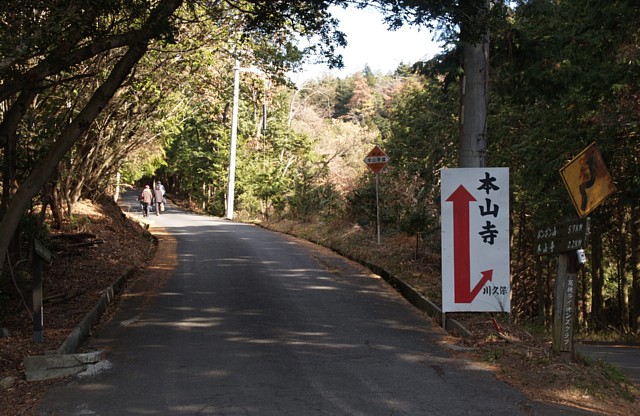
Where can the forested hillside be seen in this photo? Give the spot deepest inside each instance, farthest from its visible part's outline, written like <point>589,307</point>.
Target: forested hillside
<point>134,94</point>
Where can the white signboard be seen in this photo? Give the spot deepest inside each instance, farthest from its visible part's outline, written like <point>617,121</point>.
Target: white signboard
<point>475,240</point>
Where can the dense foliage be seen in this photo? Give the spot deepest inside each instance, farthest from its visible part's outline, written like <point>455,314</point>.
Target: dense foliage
<point>84,85</point>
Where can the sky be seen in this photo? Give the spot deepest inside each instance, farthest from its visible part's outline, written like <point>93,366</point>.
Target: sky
<point>371,43</point>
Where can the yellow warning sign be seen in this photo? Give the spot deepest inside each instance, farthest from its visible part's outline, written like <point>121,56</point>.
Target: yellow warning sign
<point>587,179</point>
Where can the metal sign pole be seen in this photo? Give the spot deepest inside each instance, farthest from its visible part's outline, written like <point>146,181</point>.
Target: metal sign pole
<point>378,206</point>
<point>376,160</point>
<point>37,300</point>
<point>40,254</point>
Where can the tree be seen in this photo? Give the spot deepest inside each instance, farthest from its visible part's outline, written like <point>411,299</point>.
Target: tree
<point>154,26</point>
<point>473,20</point>
<point>362,103</point>
<point>45,45</point>
<point>562,74</point>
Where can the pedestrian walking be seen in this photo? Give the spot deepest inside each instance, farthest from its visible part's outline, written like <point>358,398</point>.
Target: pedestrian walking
<point>158,196</point>
<point>164,200</point>
<point>145,198</point>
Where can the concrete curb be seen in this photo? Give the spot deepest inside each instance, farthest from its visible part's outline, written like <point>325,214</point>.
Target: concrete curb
<point>419,301</point>
<point>81,332</point>
<point>63,362</point>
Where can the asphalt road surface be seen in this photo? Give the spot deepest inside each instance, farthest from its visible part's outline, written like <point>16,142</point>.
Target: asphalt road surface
<point>256,323</point>
<point>626,357</point>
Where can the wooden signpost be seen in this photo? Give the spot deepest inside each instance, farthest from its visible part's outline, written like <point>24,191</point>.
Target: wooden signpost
<point>566,236</point>
<point>588,183</point>
<point>566,239</point>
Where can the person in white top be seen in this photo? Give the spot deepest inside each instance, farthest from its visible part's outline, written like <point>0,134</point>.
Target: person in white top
<point>158,198</point>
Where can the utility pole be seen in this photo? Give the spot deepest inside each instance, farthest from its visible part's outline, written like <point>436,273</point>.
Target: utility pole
<point>234,139</point>
<point>475,100</point>
<point>234,133</point>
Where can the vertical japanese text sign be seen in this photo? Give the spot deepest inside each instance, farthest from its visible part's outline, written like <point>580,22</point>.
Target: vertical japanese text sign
<point>475,240</point>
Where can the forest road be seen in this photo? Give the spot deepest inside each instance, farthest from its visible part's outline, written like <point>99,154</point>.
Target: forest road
<point>622,355</point>
<point>252,322</point>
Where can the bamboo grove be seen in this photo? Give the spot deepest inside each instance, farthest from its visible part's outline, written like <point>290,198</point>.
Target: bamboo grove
<point>563,74</point>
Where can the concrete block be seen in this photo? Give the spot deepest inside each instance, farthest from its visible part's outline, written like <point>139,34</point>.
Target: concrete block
<point>7,382</point>
<point>44,367</point>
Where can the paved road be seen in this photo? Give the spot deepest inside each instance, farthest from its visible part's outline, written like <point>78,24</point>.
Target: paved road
<point>624,356</point>
<point>256,323</point>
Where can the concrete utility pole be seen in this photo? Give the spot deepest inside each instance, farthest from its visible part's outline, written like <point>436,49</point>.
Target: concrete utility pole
<point>234,137</point>
<point>474,103</point>
<point>234,133</point>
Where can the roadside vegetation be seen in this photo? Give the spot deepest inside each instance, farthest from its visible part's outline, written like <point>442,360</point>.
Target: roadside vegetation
<point>551,95</point>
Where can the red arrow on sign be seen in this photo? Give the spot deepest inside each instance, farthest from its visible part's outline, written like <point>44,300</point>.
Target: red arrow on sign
<point>376,159</point>
<point>461,249</point>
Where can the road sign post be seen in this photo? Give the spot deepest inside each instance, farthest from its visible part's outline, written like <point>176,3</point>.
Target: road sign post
<point>566,239</point>
<point>378,206</point>
<point>564,304</point>
<point>376,160</point>
<point>562,237</point>
<point>588,182</point>
<point>40,253</point>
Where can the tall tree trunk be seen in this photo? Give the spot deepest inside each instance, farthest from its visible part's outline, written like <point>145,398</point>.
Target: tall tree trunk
<point>9,141</point>
<point>55,207</point>
<point>116,192</point>
<point>540,289</point>
<point>473,111</point>
<point>597,285</point>
<point>635,268</point>
<point>623,284</point>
